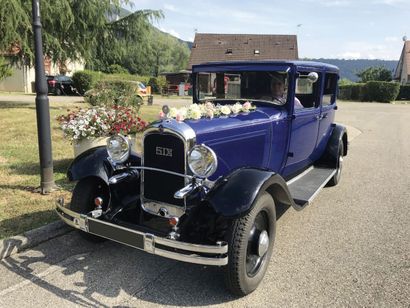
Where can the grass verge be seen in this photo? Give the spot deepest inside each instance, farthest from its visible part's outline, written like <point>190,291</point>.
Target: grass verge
<point>21,207</point>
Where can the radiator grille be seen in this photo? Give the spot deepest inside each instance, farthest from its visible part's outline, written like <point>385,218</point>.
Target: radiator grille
<point>163,151</point>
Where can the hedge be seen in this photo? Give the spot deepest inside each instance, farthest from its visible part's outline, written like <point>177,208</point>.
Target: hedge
<point>85,80</point>
<point>114,93</point>
<point>353,92</point>
<point>382,91</point>
<point>404,92</point>
<point>378,91</point>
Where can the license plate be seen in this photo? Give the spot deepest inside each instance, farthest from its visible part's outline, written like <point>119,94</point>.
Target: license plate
<point>116,233</point>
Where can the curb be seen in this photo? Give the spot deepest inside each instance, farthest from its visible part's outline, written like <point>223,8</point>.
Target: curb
<point>15,244</point>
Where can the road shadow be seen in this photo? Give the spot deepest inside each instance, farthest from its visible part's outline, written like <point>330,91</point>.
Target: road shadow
<point>108,269</point>
<point>19,224</point>
<point>114,275</point>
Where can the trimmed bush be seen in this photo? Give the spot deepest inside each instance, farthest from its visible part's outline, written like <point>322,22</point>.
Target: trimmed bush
<point>157,84</point>
<point>114,93</point>
<point>85,80</point>
<point>382,91</point>
<point>404,92</point>
<point>116,69</point>
<point>352,92</point>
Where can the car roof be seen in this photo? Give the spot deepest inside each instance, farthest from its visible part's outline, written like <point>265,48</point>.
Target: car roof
<point>299,64</point>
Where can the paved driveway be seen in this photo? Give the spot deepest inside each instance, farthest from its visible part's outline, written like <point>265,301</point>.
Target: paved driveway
<point>350,247</point>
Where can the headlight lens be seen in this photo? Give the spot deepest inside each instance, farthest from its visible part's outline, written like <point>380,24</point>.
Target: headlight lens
<point>118,148</point>
<point>202,161</point>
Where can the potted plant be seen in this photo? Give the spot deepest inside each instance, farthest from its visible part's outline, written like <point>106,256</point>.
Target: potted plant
<point>88,128</point>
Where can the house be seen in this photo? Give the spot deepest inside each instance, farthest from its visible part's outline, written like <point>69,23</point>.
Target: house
<point>209,47</point>
<point>23,76</point>
<point>402,73</point>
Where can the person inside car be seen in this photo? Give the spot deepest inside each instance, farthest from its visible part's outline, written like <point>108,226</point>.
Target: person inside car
<point>278,90</point>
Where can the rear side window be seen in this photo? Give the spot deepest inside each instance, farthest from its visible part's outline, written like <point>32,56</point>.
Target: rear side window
<point>329,92</point>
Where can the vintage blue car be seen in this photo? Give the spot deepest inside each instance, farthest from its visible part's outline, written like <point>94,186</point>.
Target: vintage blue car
<point>211,177</point>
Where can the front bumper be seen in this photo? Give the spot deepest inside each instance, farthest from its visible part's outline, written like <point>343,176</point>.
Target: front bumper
<point>172,249</point>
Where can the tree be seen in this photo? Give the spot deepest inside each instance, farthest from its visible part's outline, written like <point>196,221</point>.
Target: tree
<point>72,29</point>
<point>126,42</point>
<point>5,70</point>
<point>375,74</point>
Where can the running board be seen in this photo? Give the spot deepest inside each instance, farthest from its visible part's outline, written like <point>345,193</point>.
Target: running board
<point>304,187</point>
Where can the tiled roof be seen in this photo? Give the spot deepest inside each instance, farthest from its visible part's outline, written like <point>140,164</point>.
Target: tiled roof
<point>233,47</point>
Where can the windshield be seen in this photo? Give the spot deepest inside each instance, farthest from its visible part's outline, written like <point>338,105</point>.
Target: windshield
<point>263,86</point>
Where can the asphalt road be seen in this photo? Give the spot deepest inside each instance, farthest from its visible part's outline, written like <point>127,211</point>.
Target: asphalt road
<point>350,247</point>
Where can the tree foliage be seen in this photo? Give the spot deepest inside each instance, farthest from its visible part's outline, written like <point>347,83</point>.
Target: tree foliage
<point>5,69</point>
<point>91,31</point>
<point>375,74</point>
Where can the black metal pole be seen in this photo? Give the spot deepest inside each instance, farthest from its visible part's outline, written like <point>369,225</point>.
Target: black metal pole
<point>42,107</point>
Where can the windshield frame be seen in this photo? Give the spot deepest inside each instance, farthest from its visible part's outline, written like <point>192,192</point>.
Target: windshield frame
<point>234,70</point>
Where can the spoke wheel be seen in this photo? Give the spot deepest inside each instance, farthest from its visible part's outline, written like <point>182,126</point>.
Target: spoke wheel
<point>250,239</point>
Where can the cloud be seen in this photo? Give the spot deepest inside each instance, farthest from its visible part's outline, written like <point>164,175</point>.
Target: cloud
<point>171,31</point>
<point>392,2</point>
<point>170,7</point>
<point>331,3</point>
<point>349,55</point>
<point>392,39</point>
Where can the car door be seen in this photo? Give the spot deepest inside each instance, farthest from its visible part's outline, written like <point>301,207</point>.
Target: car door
<point>327,114</point>
<point>305,124</point>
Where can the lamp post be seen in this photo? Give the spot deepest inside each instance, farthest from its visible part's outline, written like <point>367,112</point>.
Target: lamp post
<point>42,107</point>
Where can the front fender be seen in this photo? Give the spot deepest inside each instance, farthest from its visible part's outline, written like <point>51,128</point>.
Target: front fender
<point>94,163</point>
<point>235,194</point>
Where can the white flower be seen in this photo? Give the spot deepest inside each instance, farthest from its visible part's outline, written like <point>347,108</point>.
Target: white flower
<point>173,112</point>
<point>196,114</point>
<point>210,113</point>
<point>225,110</point>
<point>236,108</point>
<point>183,112</point>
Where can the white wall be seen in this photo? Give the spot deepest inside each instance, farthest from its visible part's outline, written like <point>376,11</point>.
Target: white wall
<point>14,83</point>
<point>21,78</point>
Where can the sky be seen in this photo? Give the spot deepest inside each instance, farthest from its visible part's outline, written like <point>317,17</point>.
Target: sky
<point>344,29</point>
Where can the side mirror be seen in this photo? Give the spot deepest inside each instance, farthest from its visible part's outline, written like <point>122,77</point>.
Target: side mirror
<point>313,77</point>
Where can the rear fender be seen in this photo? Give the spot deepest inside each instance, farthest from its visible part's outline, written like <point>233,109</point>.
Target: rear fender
<point>330,156</point>
<point>235,194</point>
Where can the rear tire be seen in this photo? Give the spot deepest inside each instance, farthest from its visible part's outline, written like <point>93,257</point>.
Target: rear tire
<point>251,240</point>
<point>58,92</point>
<point>339,166</point>
<point>82,201</point>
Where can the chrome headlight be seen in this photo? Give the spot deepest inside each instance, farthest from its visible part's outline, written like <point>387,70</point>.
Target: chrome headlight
<point>118,148</point>
<point>202,161</point>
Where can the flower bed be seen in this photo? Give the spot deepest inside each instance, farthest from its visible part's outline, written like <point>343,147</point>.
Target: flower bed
<point>80,124</point>
<point>207,110</point>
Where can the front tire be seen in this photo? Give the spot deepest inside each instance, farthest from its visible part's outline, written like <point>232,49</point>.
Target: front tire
<point>251,240</point>
<point>82,201</point>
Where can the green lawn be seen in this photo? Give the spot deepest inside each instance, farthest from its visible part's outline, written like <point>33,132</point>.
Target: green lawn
<point>21,207</point>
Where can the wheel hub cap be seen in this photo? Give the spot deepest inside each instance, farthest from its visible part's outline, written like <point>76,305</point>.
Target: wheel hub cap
<point>263,243</point>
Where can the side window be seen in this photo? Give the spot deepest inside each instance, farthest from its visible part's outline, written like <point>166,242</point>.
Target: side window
<point>329,92</point>
<point>307,90</point>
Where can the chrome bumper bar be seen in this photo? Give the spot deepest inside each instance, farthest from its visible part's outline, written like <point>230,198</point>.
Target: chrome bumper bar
<point>181,251</point>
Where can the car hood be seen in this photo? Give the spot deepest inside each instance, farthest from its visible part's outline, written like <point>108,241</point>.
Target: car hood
<point>239,141</point>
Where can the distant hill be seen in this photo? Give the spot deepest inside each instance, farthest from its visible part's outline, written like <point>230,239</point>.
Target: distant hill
<point>349,68</point>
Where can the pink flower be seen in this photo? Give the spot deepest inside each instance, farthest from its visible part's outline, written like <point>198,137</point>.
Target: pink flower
<point>179,117</point>
<point>246,106</point>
